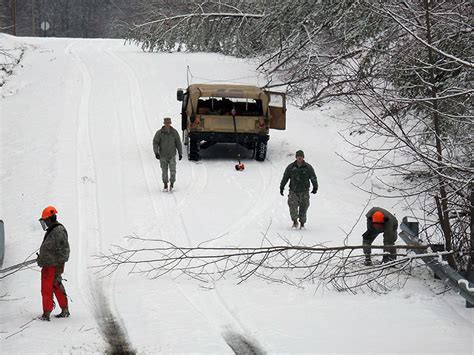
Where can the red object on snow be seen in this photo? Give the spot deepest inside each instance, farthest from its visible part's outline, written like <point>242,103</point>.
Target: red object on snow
<point>239,167</point>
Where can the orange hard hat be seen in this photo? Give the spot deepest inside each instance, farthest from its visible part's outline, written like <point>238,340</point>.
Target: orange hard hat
<point>378,217</point>
<point>49,212</point>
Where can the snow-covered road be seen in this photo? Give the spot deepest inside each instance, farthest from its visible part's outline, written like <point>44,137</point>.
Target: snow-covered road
<point>77,122</point>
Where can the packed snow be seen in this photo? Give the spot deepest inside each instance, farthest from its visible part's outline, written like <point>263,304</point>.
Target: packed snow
<point>77,122</point>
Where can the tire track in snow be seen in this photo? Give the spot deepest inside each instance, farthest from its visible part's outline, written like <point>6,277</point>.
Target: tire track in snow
<point>137,103</point>
<point>165,200</point>
<point>262,200</point>
<point>197,185</point>
<point>151,171</point>
<point>88,211</point>
<point>147,172</point>
<point>235,333</point>
<point>85,176</point>
<point>137,113</point>
<point>150,177</point>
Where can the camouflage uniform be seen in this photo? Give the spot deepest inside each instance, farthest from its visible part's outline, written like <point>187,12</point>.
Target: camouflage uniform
<point>298,197</point>
<point>389,231</point>
<point>165,143</point>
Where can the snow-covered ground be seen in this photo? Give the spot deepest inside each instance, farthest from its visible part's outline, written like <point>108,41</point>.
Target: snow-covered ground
<point>77,122</point>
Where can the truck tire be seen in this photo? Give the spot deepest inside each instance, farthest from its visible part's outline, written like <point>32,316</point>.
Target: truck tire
<point>254,150</point>
<point>193,149</point>
<point>260,151</point>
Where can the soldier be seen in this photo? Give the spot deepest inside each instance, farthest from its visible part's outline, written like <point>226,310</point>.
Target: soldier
<point>379,221</point>
<point>165,144</point>
<point>300,174</point>
<point>54,252</point>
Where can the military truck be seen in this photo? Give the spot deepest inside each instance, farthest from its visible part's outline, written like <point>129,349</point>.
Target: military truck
<point>230,113</point>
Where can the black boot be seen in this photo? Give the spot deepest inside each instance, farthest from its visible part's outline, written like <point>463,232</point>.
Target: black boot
<point>64,313</point>
<point>46,316</point>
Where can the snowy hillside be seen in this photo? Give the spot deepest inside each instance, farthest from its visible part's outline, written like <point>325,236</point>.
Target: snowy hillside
<point>77,120</point>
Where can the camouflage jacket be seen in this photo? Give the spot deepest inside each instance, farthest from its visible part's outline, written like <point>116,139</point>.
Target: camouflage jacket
<point>54,250</point>
<point>299,177</point>
<point>167,142</point>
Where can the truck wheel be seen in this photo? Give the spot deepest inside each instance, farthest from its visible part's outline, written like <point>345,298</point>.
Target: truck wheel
<point>261,151</point>
<point>193,152</point>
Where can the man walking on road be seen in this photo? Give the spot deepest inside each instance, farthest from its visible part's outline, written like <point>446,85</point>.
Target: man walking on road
<point>54,252</point>
<point>165,144</point>
<point>300,173</point>
<point>379,221</point>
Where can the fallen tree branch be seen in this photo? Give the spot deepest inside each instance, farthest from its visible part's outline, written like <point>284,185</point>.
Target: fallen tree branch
<point>339,266</point>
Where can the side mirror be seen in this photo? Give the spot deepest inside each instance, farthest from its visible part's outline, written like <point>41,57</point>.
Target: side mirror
<point>180,95</point>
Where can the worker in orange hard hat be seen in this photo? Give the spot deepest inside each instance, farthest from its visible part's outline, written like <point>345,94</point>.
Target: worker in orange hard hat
<point>379,221</point>
<point>54,252</point>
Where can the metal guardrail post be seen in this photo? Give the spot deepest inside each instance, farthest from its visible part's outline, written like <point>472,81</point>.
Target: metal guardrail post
<point>470,280</point>
<point>409,234</point>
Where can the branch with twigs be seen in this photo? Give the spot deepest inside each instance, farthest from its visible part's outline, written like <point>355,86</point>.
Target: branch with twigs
<point>297,265</point>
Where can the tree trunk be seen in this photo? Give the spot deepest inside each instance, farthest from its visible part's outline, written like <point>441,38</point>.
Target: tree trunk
<point>13,15</point>
<point>442,199</point>
<point>33,20</point>
<point>470,266</point>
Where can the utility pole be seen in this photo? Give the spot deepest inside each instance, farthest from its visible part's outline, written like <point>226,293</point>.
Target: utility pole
<point>13,16</point>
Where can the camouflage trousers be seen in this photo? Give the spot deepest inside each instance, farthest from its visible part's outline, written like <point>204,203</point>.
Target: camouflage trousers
<point>299,204</point>
<point>168,164</point>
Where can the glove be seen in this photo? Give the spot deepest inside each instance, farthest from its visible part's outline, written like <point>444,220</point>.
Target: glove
<point>281,192</point>
<point>314,190</point>
<point>157,156</point>
<point>180,157</point>
<point>40,264</point>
